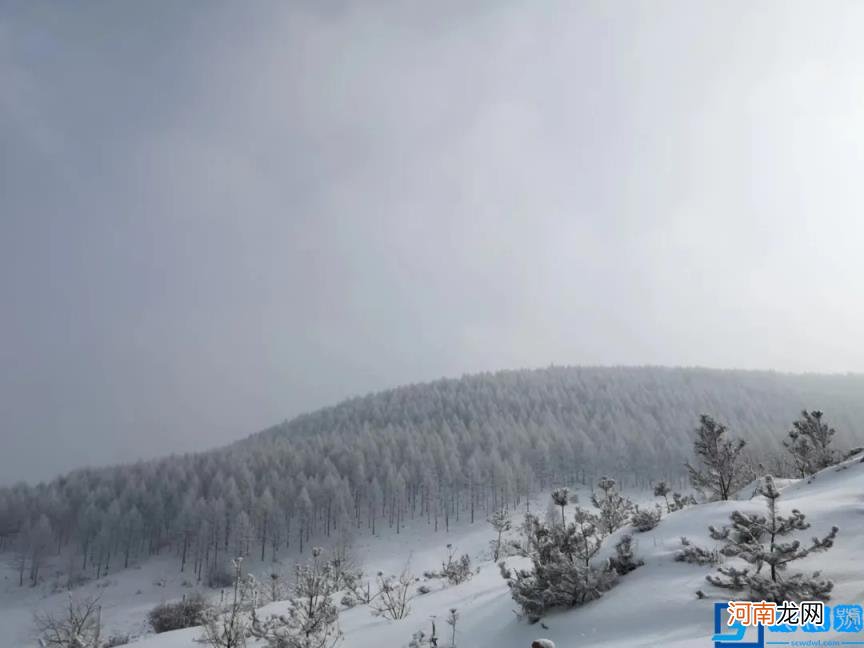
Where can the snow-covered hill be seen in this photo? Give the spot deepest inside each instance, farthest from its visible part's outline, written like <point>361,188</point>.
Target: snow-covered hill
<point>653,606</point>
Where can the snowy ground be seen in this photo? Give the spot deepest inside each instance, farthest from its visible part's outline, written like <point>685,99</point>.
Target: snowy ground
<point>653,606</point>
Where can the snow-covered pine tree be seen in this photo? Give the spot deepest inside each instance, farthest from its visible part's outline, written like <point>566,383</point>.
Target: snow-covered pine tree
<point>809,443</point>
<point>452,619</point>
<point>228,628</point>
<point>646,519</point>
<point>311,620</point>
<point>561,574</point>
<point>624,561</point>
<point>661,489</point>
<point>757,540</point>
<point>421,640</point>
<point>721,471</point>
<point>587,538</point>
<point>561,497</point>
<point>456,571</point>
<point>680,501</point>
<point>695,554</point>
<point>615,509</point>
<point>500,521</point>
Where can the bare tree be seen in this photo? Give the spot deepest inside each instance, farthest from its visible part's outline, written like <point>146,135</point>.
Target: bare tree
<point>78,626</point>
<point>393,600</point>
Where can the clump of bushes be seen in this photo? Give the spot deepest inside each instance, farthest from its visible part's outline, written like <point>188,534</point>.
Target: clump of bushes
<point>220,577</point>
<point>457,570</point>
<point>645,519</point>
<point>696,555</point>
<point>188,613</point>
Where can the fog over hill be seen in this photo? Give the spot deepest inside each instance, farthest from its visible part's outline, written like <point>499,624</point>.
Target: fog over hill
<point>450,449</point>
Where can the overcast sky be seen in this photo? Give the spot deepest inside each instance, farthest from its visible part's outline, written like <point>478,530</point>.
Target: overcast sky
<point>217,216</point>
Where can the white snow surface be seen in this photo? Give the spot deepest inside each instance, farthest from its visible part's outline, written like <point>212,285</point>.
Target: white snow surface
<point>652,606</point>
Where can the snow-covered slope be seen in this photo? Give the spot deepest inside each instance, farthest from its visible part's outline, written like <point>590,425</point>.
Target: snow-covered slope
<point>653,606</point>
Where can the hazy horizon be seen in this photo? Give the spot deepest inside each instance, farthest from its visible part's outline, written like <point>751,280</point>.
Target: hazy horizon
<point>214,216</point>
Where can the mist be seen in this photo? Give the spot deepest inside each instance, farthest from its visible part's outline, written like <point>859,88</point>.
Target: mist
<point>217,216</point>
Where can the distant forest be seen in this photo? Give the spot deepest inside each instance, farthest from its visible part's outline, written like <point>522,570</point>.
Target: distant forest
<point>439,452</point>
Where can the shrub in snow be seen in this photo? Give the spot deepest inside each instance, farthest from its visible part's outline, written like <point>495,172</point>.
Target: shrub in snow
<point>510,548</point>
<point>756,539</point>
<point>561,573</point>
<point>77,579</point>
<point>615,509</point>
<point>392,600</point>
<point>359,590</point>
<point>311,619</point>
<point>661,489</point>
<point>680,501</point>
<point>228,628</point>
<point>720,469</point>
<point>645,519</point>
<point>421,640</point>
<point>695,554</point>
<point>220,576</point>
<point>456,571</point>
<point>78,626</point>
<point>624,561</point>
<point>181,614</point>
<point>274,590</point>
<point>116,640</point>
<point>424,589</point>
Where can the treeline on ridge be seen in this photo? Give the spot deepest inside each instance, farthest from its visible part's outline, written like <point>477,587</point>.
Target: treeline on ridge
<point>446,451</point>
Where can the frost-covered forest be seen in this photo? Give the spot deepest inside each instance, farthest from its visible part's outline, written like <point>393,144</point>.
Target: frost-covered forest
<point>435,453</point>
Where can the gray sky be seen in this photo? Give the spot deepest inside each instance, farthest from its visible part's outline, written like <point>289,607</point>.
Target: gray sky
<point>216,216</point>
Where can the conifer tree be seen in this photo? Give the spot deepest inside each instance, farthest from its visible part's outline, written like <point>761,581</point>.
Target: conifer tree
<point>561,497</point>
<point>646,519</point>
<point>661,489</point>
<point>809,443</point>
<point>758,541</point>
<point>311,620</point>
<point>452,619</point>
<point>624,561</point>
<point>615,509</point>
<point>228,628</point>
<point>721,470</point>
<point>562,574</point>
<point>500,521</point>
